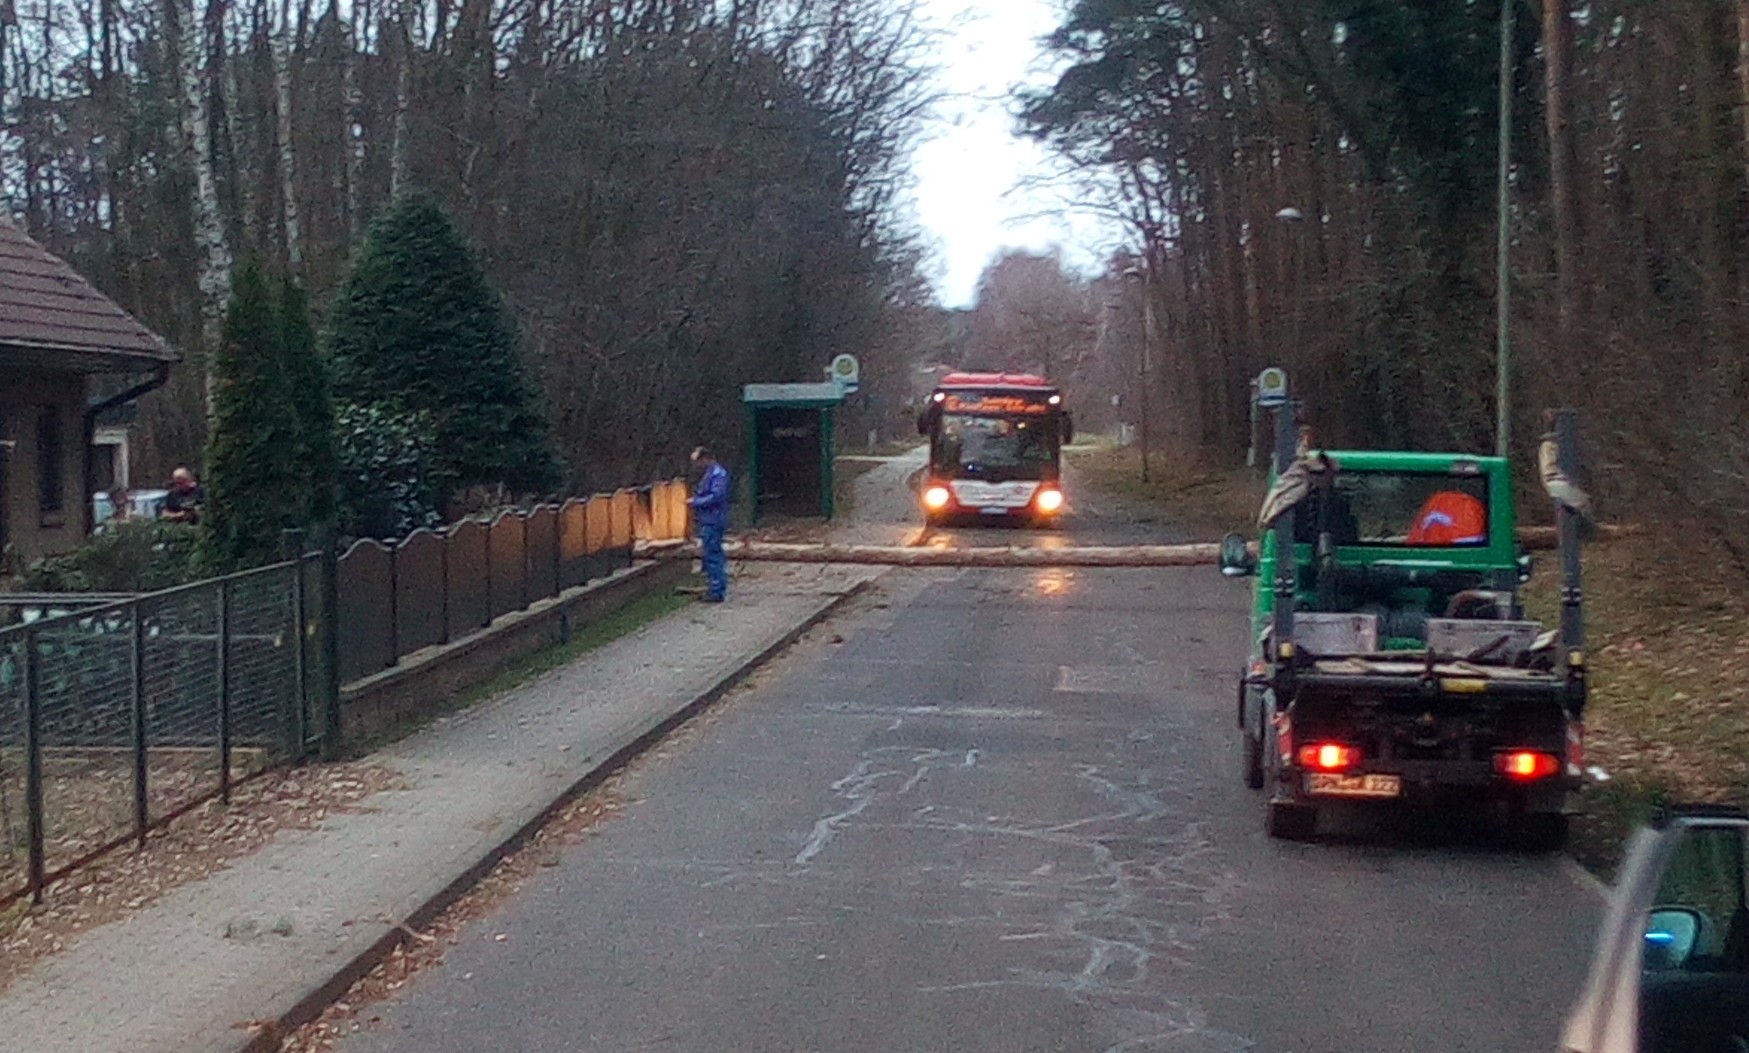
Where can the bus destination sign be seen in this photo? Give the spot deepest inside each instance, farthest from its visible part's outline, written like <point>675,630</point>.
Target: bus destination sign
<point>989,402</point>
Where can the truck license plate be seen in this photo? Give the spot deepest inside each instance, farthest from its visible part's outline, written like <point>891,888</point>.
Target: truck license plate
<point>993,511</point>
<point>1331,784</point>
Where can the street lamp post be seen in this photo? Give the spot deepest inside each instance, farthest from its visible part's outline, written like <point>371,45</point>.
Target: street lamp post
<point>1503,247</point>
<point>1290,217</point>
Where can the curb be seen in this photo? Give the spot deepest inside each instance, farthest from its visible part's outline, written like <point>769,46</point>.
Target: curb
<point>1585,879</point>
<point>275,1030</point>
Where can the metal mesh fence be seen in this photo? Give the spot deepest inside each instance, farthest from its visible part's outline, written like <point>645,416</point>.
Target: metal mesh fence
<point>84,704</point>
<point>262,631</point>
<point>14,820</point>
<point>144,708</point>
<point>181,686</point>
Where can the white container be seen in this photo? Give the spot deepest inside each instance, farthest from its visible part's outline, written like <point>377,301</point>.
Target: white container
<point>1336,635</point>
<point>1462,637</point>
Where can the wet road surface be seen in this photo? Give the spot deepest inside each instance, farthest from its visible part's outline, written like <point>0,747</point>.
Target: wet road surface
<point>1000,810</point>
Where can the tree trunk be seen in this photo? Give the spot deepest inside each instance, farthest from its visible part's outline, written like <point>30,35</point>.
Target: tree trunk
<point>353,134</point>
<point>1743,76</point>
<point>282,82</point>
<point>1558,113</point>
<point>214,261</point>
<point>398,156</point>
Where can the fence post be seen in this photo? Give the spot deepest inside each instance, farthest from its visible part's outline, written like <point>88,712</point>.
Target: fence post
<point>491,616</point>
<point>33,767</point>
<point>293,545</point>
<point>523,589</point>
<point>137,676</point>
<point>395,603</point>
<point>224,612</point>
<point>557,555</point>
<point>330,648</point>
<point>443,580</point>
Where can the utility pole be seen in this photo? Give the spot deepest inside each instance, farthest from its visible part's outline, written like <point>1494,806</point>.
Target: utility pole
<point>1144,276</point>
<point>1503,247</point>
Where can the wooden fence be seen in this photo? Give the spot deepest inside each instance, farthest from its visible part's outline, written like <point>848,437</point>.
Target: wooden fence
<point>435,586</point>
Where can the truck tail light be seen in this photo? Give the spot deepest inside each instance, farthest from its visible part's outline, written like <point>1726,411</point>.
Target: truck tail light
<point>1329,756</point>
<point>1526,765</point>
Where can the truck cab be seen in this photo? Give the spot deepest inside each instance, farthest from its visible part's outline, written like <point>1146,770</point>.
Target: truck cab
<point>1390,659</point>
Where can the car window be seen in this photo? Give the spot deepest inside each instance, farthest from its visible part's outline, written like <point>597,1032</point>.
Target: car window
<point>1699,921</point>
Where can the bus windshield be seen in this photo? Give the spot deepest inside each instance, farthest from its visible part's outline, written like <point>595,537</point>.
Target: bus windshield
<point>995,447</point>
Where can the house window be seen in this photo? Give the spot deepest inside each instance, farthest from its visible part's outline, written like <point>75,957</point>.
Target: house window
<point>51,454</point>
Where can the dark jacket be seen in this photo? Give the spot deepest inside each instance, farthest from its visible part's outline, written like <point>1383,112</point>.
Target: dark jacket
<point>710,502</point>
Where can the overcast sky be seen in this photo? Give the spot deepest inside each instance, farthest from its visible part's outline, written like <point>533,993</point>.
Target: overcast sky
<point>969,197</point>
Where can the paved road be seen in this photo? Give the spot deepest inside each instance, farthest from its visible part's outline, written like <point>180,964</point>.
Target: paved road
<point>1004,815</point>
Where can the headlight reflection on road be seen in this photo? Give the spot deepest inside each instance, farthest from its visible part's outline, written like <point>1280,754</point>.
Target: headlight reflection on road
<point>1053,582</point>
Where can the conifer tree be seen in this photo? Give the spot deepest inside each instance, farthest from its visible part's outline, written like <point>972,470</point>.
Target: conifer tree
<point>255,485</point>
<point>417,326</point>
<point>308,377</point>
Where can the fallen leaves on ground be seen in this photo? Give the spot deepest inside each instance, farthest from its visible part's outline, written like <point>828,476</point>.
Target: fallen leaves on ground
<point>207,839</point>
<point>358,1009</point>
<point>1669,663</point>
<point>1212,500</point>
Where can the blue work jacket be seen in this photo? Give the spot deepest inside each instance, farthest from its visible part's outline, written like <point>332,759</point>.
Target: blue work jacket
<point>710,502</point>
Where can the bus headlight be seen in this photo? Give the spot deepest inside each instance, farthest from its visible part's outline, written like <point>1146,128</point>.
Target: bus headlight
<point>1049,500</point>
<point>936,498</point>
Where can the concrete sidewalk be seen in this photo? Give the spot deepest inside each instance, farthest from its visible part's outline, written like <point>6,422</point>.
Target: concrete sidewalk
<point>169,978</point>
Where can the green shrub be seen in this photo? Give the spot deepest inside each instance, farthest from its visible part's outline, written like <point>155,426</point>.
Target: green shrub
<point>142,555</point>
<point>390,475</point>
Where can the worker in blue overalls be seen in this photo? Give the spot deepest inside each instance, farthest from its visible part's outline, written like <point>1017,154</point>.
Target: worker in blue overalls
<point>710,508</point>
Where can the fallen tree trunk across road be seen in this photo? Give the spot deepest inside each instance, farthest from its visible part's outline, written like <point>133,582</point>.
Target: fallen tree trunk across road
<point>982,556</point>
<point>1204,554</point>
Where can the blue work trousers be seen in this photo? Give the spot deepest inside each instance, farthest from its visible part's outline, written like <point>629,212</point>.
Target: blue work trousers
<point>716,562</point>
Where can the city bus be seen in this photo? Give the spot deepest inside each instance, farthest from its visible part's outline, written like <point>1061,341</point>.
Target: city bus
<point>995,448</point>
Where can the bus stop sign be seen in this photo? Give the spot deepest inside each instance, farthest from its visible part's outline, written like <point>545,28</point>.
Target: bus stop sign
<point>1272,387</point>
<point>846,372</point>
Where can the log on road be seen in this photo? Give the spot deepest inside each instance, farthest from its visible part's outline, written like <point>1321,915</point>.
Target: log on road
<point>982,556</point>
<point>1205,554</point>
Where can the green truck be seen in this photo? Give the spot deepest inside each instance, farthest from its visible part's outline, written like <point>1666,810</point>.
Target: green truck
<point>1391,661</point>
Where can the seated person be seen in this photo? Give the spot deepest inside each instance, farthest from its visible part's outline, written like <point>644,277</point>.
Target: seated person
<point>1344,528</point>
<point>1450,517</point>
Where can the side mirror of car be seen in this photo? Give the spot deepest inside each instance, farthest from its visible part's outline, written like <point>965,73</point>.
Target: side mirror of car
<point>1671,936</point>
<point>1236,558</point>
<point>1068,429</point>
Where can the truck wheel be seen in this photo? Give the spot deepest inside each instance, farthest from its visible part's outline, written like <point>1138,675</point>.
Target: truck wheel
<point>1539,832</point>
<point>1252,758</point>
<point>1292,822</point>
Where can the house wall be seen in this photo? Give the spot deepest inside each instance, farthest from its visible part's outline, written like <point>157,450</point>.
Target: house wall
<point>28,529</point>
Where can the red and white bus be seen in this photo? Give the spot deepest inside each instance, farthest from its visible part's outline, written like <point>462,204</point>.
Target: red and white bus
<point>995,448</point>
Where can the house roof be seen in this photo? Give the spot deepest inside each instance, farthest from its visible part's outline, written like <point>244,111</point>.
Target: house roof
<point>49,314</point>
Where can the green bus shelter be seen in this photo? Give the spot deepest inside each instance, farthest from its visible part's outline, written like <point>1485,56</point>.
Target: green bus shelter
<point>789,448</point>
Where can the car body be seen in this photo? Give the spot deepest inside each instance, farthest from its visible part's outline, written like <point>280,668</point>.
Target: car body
<point>1670,968</point>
